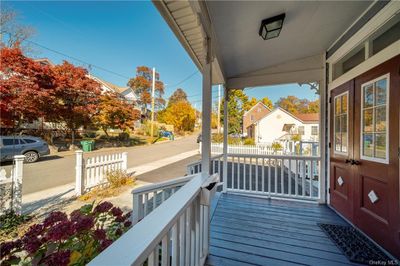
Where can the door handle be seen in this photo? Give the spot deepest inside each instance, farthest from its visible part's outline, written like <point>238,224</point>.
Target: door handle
<point>355,162</point>
<point>348,161</point>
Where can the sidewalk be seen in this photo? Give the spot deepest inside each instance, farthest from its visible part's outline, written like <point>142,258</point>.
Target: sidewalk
<point>63,197</point>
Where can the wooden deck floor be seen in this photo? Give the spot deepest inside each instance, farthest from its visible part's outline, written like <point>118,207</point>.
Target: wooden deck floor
<point>255,231</point>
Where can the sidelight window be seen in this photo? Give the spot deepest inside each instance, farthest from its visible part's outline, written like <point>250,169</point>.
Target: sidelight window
<point>374,119</point>
<point>341,123</point>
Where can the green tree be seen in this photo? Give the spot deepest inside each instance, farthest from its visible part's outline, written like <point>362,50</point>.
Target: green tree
<point>237,105</point>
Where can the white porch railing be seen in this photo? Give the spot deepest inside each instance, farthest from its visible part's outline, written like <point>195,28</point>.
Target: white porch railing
<point>286,176</point>
<point>147,198</point>
<point>175,233</point>
<point>11,187</point>
<point>92,172</point>
<point>295,177</point>
<point>217,148</point>
<point>216,166</point>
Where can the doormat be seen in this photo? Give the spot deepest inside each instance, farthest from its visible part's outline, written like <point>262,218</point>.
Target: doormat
<point>356,247</point>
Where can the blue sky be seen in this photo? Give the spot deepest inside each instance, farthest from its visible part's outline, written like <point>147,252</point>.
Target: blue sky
<point>118,36</point>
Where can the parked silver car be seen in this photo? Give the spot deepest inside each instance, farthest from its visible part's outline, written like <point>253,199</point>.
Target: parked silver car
<point>32,147</point>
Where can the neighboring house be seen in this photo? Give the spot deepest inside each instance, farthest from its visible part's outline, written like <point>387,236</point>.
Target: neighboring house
<point>253,115</point>
<point>280,125</point>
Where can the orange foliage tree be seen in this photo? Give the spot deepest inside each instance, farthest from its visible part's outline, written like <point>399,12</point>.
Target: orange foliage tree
<point>181,115</point>
<point>75,97</point>
<point>25,87</point>
<point>142,86</point>
<point>115,113</point>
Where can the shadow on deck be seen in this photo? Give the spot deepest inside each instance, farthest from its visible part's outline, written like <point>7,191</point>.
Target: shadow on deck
<point>255,231</point>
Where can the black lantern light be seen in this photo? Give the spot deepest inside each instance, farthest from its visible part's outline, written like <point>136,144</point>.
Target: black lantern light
<point>271,27</point>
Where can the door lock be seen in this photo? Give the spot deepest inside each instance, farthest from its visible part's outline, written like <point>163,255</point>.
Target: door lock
<point>355,162</point>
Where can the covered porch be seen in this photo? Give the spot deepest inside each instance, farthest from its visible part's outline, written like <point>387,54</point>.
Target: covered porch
<point>269,206</point>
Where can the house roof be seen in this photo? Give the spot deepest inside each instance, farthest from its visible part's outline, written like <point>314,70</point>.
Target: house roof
<point>110,85</point>
<point>44,61</point>
<point>260,102</point>
<point>307,118</point>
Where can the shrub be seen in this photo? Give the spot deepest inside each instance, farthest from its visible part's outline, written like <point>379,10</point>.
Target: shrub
<point>249,141</point>
<point>146,127</point>
<point>276,146</point>
<point>63,240</point>
<point>10,221</point>
<point>119,178</point>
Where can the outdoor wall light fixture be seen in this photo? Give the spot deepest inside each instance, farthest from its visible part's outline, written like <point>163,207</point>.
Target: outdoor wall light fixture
<point>271,27</point>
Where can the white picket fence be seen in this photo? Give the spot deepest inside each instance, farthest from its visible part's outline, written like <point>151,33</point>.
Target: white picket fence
<point>11,187</point>
<point>217,148</point>
<point>92,172</point>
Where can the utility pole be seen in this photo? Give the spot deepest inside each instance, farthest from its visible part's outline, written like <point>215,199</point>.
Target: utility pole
<point>219,109</point>
<point>152,102</point>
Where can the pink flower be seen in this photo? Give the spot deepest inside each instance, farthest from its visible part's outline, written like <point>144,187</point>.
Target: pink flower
<point>103,207</point>
<point>116,211</point>
<point>7,247</point>
<point>99,234</point>
<point>128,224</point>
<point>35,230</point>
<point>54,217</point>
<point>31,243</point>
<point>60,231</point>
<point>83,222</point>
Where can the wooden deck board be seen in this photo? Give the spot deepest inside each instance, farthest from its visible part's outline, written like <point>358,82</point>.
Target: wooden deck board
<point>256,231</point>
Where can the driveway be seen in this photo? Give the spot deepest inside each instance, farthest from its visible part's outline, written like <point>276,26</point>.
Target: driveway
<point>57,170</point>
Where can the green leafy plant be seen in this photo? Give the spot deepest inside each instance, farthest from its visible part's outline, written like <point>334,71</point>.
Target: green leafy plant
<point>62,240</point>
<point>249,141</point>
<point>276,146</point>
<point>10,221</point>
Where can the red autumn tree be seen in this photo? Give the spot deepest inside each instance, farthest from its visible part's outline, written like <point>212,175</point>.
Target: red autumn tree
<point>114,112</point>
<point>25,87</point>
<point>75,97</point>
<point>142,86</point>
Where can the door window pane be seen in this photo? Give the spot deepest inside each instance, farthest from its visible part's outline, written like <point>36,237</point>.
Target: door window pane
<point>367,120</point>
<point>368,145</point>
<point>368,96</point>
<point>380,92</point>
<point>380,119</point>
<point>341,125</point>
<point>374,120</point>
<point>380,146</point>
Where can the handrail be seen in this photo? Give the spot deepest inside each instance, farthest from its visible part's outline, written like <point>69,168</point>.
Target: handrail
<point>199,161</point>
<point>143,239</point>
<point>274,156</point>
<point>163,185</point>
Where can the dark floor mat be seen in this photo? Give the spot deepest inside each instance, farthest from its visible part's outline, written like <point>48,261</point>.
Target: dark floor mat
<point>356,247</point>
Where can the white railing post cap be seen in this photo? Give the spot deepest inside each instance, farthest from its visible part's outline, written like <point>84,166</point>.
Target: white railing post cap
<point>79,151</point>
<point>19,157</point>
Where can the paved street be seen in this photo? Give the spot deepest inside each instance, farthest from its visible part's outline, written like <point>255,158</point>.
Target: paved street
<point>59,170</point>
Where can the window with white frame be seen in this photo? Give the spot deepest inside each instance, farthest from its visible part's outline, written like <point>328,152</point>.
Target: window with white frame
<point>314,130</point>
<point>341,123</point>
<point>374,119</point>
<point>301,130</point>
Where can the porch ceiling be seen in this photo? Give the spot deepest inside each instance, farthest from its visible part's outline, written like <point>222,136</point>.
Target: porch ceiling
<point>310,27</point>
<point>242,56</point>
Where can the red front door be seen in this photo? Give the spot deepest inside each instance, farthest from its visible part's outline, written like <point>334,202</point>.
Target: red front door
<point>369,195</point>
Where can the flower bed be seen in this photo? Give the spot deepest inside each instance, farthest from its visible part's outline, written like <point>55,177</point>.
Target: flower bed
<point>68,240</point>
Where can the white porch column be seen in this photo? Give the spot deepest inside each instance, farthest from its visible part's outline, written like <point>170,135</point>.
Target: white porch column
<point>206,121</point>
<point>323,139</point>
<point>225,147</point>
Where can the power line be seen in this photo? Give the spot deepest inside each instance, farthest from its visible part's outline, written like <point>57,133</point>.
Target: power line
<point>185,79</point>
<point>79,60</point>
